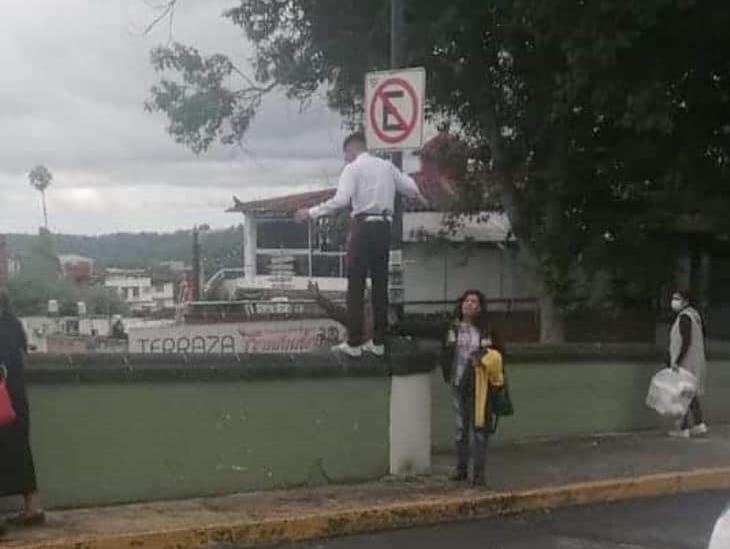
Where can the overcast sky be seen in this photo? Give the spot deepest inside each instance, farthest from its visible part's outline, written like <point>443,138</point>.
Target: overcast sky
<point>73,81</point>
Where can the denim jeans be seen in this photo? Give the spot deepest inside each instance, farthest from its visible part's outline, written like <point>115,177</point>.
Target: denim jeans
<point>463,402</point>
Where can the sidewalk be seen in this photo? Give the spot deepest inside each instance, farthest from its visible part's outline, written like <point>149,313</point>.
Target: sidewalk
<point>520,477</point>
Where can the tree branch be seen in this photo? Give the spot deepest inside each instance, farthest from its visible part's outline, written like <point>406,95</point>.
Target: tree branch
<point>243,75</point>
<point>166,10</point>
<point>258,90</point>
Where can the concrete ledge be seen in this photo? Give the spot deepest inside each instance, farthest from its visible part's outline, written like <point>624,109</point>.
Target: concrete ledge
<point>466,505</point>
<point>589,352</point>
<point>406,359</point>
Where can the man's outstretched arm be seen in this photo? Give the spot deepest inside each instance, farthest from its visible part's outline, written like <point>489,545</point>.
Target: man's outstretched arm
<point>341,200</point>
<point>406,185</point>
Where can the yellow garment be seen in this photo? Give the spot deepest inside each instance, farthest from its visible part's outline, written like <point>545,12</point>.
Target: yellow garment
<point>487,373</point>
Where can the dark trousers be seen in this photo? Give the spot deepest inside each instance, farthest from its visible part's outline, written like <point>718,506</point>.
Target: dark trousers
<point>463,401</point>
<point>368,253</point>
<point>17,471</point>
<point>694,414</point>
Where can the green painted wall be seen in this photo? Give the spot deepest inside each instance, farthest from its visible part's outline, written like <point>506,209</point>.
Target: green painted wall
<point>563,399</point>
<point>110,443</point>
<point>162,434</point>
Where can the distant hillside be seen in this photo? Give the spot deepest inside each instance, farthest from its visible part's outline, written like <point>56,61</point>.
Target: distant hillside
<point>128,250</point>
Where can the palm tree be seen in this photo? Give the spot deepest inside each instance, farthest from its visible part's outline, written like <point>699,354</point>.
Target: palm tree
<point>40,179</point>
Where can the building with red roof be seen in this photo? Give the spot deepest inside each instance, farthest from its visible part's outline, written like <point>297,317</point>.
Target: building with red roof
<point>442,255</point>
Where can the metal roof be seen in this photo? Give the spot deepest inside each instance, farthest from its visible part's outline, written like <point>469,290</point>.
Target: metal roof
<point>282,204</point>
<point>287,205</point>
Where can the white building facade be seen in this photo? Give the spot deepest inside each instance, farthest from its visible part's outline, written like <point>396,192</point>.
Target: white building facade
<point>139,291</point>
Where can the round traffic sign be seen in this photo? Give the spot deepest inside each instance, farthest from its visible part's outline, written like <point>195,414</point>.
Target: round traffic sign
<point>393,87</point>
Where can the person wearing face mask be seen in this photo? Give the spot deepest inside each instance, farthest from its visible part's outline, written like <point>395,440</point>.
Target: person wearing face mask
<point>17,471</point>
<point>687,350</point>
<point>466,342</point>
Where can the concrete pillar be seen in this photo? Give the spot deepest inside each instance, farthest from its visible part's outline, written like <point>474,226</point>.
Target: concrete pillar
<point>410,425</point>
<point>250,246</point>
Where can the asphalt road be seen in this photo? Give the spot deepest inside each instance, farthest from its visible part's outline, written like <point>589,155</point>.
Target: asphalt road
<point>681,522</point>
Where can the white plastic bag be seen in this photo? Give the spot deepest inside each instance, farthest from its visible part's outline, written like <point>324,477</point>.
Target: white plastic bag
<point>671,392</point>
<point>721,535</point>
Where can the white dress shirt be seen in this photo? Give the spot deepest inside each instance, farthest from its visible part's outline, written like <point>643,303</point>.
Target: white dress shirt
<point>368,184</point>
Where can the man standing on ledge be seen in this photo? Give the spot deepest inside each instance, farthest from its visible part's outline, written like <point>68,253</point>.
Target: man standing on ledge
<point>368,184</point>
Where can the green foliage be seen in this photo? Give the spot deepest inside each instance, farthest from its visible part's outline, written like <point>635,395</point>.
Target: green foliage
<point>200,105</point>
<point>31,295</point>
<point>40,277</point>
<point>43,259</point>
<point>40,178</point>
<point>220,249</point>
<point>596,126</point>
<point>40,280</point>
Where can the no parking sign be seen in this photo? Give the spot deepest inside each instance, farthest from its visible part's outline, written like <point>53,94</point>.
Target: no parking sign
<point>394,109</point>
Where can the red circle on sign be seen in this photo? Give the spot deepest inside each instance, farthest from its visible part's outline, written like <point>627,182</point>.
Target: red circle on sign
<point>407,125</point>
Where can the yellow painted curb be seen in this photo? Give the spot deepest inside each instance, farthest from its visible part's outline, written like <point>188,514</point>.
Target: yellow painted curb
<point>402,515</point>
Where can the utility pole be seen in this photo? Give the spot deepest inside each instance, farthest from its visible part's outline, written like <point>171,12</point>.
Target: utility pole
<point>196,264</point>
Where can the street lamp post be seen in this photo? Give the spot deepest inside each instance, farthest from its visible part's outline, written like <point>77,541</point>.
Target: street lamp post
<point>196,260</point>
<point>196,264</point>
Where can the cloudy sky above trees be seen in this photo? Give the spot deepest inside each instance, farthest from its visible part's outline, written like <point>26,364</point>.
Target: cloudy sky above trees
<point>75,75</point>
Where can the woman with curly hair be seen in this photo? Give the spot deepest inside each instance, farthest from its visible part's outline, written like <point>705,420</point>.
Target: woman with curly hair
<point>470,364</point>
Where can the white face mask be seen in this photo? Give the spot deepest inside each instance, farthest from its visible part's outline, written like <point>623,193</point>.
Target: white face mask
<point>677,305</point>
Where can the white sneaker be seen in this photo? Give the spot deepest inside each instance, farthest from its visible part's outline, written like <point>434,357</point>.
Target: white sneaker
<point>699,430</point>
<point>679,433</point>
<point>377,350</point>
<point>347,349</point>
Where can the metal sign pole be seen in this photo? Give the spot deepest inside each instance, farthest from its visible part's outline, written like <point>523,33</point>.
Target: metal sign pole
<point>396,60</point>
<point>396,278</point>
